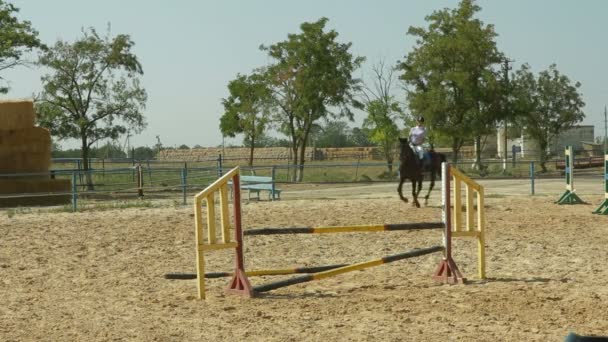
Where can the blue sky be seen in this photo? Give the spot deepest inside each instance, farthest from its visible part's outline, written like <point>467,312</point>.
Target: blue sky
<point>191,49</point>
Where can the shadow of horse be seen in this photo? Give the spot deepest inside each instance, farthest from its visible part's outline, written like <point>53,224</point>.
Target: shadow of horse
<point>410,168</point>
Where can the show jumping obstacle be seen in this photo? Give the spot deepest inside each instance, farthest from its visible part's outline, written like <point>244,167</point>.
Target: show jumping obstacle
<point>446,272</point>
<point>603,208</point>
<point>472,227</point>
<point>239,283</point>
<point>569,197</point>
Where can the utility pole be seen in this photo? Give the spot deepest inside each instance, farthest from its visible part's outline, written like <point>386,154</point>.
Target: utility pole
<point>158,144</point>
<point>605,131</point>
<point>505,69</point>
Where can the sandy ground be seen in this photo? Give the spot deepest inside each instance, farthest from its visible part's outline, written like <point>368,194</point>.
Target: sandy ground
<point>98,276</point>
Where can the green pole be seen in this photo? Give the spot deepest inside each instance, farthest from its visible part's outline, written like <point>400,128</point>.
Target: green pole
<point>532,178</point>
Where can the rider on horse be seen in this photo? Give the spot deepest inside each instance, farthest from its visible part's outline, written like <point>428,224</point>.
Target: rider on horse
<point>417,137</point>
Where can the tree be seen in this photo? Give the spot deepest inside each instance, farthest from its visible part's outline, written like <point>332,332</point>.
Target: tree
<point>93,91</point>
<point>360,137</point>
<point>333,134</point>
<point>183,147</point>
<point>109,150</point>
<point>450,75</point>
<point>383,130</point>
<point>310,79</point>
<point>16,37</point>
<point>382,113</point>
<point>264,140</point>
<point>546,106</point>
<point>142,153</point>
<point>245,110</point>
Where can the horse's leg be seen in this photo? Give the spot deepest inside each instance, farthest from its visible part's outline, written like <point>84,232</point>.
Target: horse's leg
<point>428,194</point>
<point>399,189</point>
<point>415,202</point>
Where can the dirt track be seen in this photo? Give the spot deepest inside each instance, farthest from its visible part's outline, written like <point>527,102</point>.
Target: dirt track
<point>99,275</point>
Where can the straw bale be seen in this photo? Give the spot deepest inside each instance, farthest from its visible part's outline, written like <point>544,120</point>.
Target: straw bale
<point>25,150</point>
<point>16,114</point>
<point>35,186</point>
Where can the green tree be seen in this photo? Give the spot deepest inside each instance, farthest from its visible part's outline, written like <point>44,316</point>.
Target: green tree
<point>16,38</point>
<point>245,110</point>
<point>383,130</point>
<point>109,150</point>
<point>264,140</point>
<point>450,75</point>
<point>359,137</point>
<point>92,91</point>
<point>183,147</point>
<point>142,153</point>
<point>334,133</point>
<point>546,106</point>
<point>382,112</point>
<point>311,79</point>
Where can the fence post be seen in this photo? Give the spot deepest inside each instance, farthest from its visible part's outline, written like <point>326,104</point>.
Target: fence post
<point>140,181</point>
<point>219,166</point>
<point>531,178</point>
<point>272,173</point>
<point>150,172</point>
<point>514,155</point>
<point>74,193</point>
<point>184,177</point>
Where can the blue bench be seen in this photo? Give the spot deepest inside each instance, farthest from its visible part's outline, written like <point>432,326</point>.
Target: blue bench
<point>260,183</point>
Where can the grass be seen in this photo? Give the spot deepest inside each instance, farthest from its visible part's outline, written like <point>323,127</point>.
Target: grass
<point>495,196</point>
<point>17,211</point>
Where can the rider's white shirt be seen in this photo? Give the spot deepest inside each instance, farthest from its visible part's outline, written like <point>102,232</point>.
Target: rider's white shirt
<point>417,135</point>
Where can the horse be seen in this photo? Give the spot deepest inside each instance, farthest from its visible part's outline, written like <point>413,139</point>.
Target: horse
<point>411,169</point>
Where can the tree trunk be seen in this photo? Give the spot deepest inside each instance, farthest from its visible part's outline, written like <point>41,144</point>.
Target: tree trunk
<point>388,155</point>
<point>85,162</point>
<point>478,154</point>
<point>542,155</point>
<point>250,162</point>
<point>300,174</point>
<point>294,149</point>
<point>455,149</point>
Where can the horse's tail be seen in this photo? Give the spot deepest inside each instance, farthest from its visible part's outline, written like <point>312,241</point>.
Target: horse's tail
<point>442,159</point>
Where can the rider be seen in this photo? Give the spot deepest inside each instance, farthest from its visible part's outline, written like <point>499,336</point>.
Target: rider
<point>417,137</point>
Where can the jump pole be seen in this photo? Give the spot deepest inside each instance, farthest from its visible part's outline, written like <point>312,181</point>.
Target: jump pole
<point>603,208</point>
<point>570,196</point>
<point>345,269</point>
<point>345,229</point>
<point>284,271</point>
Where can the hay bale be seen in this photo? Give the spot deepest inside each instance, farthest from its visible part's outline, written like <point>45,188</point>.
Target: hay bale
<point>16,114</point>
<point>35,186</point>
<point>25,150</point>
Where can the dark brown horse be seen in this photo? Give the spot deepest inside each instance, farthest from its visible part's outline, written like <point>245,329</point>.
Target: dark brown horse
<point>412,170</point>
